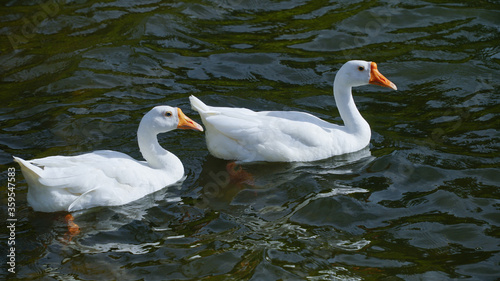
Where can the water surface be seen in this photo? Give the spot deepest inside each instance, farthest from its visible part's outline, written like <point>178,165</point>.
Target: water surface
<point>421,203</point>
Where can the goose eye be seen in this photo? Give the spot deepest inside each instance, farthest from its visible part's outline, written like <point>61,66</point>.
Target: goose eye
<point>168,113</point>
<point>361,68</point>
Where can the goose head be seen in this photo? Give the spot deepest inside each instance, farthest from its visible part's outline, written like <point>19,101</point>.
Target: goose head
<point>358,73</point>
<point>162,119</point>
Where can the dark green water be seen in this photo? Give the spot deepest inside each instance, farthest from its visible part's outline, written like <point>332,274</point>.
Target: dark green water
<point>422,203</point>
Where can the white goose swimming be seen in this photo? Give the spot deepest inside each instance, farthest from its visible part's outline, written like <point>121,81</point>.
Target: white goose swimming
<point>286,136</point>
<point>105,177</point>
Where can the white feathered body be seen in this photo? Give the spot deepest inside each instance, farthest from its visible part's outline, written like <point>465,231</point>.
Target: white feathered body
<point>274,136</point>
<point>105,177</point>
<point>286,136</point>
<point>100,178</point>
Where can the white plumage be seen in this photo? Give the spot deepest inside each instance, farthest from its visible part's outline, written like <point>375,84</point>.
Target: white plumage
<point>105,177</point>
<point>286,136</point>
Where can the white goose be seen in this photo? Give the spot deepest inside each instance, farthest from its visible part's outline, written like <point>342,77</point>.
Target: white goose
<point>286,136</point>
<point>105,177</point>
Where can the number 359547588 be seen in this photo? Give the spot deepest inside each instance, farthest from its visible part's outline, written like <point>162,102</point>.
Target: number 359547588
<point>11,191</point>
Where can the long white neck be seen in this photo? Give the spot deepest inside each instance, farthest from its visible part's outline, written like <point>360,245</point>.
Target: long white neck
<point>353,121</point>
<point>153,153</point>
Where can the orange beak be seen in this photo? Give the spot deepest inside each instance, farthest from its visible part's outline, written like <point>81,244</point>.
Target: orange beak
<point>186,122</point>
<point>376,78</point>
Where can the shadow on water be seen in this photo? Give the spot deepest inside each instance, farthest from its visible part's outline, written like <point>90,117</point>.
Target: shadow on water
<point>223,181</point>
